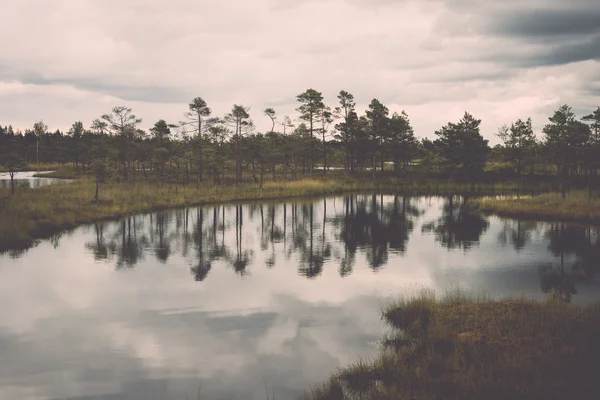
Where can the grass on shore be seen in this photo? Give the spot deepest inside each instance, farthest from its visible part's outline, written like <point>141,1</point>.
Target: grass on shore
<point>37,213</point>
<point>31,214</point>
<point>60,171</point>
<point>577,206</point>
<point>457,348</point>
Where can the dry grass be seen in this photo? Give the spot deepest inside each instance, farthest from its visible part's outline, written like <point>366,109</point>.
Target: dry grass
<point>458,348</point>
<point>30,214</point>
<point>576,206</point>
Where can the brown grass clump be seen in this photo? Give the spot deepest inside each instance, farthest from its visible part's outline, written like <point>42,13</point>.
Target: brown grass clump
<point>577,206</point>
<point>478,349</point>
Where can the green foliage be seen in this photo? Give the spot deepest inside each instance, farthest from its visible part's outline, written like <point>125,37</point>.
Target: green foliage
<point>269,112</point>
<point>101,171</point>
<point>161,131</point>
<point>565,138</point>
<point>311,105</point>
<point>519,141</point>
<point>14,163</point>
<point>402,144</point>
<point>462,145</point>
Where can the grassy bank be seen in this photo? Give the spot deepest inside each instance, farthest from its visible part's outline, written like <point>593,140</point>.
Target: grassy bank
<point>37,213</point>
<point>577,206</point>
<point>60,171</point>
<point>31,214</point>
<point>462,349</point>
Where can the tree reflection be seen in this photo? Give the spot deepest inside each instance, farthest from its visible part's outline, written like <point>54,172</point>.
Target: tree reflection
<point>312,257</point>
<point>163,247</point>
<point>517,233</point>
<point>307,235</point>
<point>565,242</point>
<point>457,228</point>
<point>202,265</point>
<point>241,260</point>
<point>98,247</point>
<point>129,249</point>
<point>375,226</point>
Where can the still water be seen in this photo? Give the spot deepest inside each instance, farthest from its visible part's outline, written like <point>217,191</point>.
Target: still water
<point>27,179</point>
<point>231,299</point>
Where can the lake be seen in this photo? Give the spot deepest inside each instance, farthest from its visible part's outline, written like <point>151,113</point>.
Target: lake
<point>231,299</point>
<point>27,179</point>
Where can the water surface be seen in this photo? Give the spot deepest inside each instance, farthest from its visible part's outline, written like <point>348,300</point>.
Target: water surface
<point>231,298</point>
<point>27,179</point>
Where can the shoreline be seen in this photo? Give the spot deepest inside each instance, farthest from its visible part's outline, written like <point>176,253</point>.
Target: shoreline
<point>463,348</point>
<point>28,216</point>
<point>576,207</point>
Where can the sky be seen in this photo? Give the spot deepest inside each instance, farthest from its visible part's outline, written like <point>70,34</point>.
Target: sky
<point>68,60</point>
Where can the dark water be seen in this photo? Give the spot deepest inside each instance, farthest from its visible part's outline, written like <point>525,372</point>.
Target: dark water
<point>232,299</point>
<point>27,179</point>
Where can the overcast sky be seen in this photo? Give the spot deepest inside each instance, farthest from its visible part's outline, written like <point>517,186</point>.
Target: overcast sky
<point>68,60</point>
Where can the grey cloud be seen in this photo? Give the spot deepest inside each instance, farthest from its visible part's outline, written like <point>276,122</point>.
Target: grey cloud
<point>462,75</point>
<point>591,86</point>
<point>261,55</point>
<point>528,34</point>
<point>104,85</point>
<point>132,92</point>
<point>550,55</point>
<point>593,90</point>
<point>545,23</point>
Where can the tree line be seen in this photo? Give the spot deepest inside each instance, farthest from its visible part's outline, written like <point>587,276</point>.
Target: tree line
<point>227,149</point>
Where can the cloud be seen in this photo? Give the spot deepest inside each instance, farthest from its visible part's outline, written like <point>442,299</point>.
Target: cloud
<point>546,23</point>
<point>157,56</point>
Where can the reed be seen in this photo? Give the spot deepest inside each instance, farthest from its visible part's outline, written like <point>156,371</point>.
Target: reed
<point>576,206</point>
<point>463,348</point>
<point>31,214</point>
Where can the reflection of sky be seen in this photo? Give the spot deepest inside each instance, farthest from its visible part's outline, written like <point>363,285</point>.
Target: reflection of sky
<point>71,326</point>
<point>27,179</point>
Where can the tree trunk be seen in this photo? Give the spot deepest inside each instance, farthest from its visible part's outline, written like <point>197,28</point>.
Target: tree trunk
<point>12,182</point>
<point>295,167</point>
<point>324,154</point>
<point>373,166</point>
<point>262,176</point>
<point>311,147</point>
<point>238,161</point>
<point>200,166</point>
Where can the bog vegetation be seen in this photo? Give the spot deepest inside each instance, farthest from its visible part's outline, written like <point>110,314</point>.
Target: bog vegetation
<point>456,348</point>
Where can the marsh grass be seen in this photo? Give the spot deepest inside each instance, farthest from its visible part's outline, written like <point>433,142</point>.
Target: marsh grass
<point>33,214</point>
<point>576,206</point>
<point>60,171</point>
<point>462,348</point>
<point>30,214</point>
